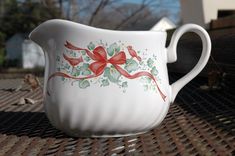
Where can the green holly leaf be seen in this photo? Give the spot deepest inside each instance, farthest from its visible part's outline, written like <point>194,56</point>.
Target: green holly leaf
<point>105,82</point>
<point>85,66</point>
<point>86,72</point>
<point>91,46</point>
<point>124,84</point>
<point>117,49</point>
<point>85,69</point>
<point>153,87</point>
<point>154,71</point>
<point>112,49</point>
<point>148,80</point>
<point>83,52</point>
<point>87,59</point>
<point>112,74</point>
<point>146,87</point>
<point>67,66</point>
<point>84,84</point>
<point>131,65</point>
<point>58,58</point>
<point>150,63</point>
<point>76,71</point>
<point>106,72</point>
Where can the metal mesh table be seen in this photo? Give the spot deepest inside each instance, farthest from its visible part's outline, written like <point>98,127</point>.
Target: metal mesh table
<point>199,123</point>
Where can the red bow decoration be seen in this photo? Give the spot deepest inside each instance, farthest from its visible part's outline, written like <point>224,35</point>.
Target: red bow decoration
<point>99,56</point>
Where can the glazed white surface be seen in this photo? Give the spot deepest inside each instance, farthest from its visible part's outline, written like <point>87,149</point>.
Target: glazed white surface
<point>102,111</point>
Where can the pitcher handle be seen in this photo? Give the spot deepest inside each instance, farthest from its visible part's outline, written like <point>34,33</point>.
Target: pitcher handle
<point>172,55</point>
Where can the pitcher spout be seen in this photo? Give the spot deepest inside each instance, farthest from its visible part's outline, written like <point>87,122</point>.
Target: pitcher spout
<point>40,34</point>
<point>37,35</point>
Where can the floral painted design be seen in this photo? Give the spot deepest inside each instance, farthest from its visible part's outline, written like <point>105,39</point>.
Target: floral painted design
<point>105,64</point>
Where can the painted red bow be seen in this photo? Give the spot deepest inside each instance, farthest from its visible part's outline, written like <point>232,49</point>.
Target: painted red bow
<point>100,58</point>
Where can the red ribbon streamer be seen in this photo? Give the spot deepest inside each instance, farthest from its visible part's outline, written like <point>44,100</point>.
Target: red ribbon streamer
<point>99,55</point>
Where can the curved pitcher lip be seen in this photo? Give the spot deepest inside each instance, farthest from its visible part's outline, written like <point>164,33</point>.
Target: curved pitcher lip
<point>103,29</point>
<point>39,32</point>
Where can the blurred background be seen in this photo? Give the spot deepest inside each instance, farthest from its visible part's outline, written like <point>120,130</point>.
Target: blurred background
<point>19,17</point>
<point>200,122</point>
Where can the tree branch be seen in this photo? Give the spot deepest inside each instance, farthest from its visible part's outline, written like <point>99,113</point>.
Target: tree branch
<point>144,4</point>
<point>124,21</point>
<point>101,5</point>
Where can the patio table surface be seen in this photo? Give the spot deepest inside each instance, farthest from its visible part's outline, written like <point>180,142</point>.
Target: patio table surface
<point>198,123</point>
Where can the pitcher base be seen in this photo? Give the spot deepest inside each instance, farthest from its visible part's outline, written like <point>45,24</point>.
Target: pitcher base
<point>85,135</point>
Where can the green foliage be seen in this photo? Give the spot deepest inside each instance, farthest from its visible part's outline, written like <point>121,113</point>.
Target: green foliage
<point>91,46</point>
<point>84,84</point>
<point>124,84</point>
<point>25,16</point>
<point>150,62</point>
<point>105,82</point>
<point>112,74</point>
<point>1,56</point>
<point>154,71</point>
<point>2,39</point>
<point>85,69</point>
<point>131,65</point>
<point>112,49</point>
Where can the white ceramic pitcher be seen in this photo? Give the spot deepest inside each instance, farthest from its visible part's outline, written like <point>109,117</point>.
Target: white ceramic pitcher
<point>109,83</point>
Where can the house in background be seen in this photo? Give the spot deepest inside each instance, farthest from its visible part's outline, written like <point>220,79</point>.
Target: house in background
<point>202,12</point>
<point>33,55</point>
<point>163,25</point>
<point>14,47</point>
<point>25,52</point>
